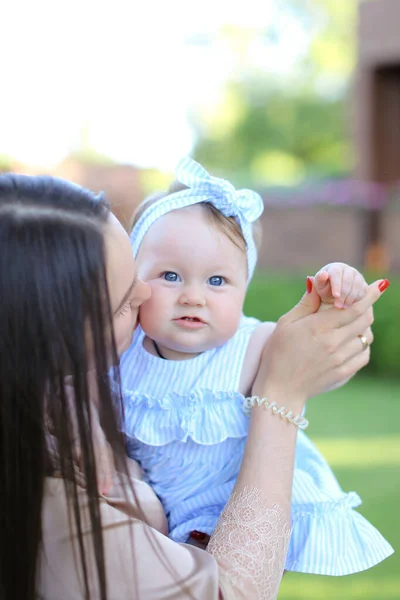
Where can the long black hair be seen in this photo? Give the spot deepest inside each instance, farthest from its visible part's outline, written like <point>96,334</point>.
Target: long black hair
<point>54,299</point>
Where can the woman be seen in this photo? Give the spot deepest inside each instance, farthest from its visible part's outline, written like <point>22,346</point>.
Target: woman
<point>70,299</point>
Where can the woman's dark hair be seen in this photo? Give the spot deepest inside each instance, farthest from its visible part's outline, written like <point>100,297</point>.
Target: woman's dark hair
<point>54,302</point>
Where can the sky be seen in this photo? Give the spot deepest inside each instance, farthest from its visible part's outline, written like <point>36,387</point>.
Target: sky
<point>124,75</point>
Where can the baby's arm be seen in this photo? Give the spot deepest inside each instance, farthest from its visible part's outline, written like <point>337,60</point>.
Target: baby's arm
<point>253,355</point>
<point>340,285</point>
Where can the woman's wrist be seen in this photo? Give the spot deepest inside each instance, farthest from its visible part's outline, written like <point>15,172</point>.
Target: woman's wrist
<point>293,401</point>
<point>268,458</point>
<point>251,402</point>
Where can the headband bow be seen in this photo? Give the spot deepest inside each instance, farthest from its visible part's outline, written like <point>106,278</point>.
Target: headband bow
<point>245,205</point>
<point>221,193</point>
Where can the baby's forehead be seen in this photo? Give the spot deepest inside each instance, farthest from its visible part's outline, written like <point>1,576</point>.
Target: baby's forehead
<point>189,232</point>
<point>195,212</point>
<point>193,219</point>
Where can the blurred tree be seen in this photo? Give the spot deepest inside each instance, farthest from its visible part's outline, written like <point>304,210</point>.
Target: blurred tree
<point>280,125</point>
<point>153,181</point>
<point>6,163</point>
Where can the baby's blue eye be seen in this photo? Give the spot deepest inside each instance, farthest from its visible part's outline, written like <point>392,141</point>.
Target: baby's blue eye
<point>216,280</point>
<point>171,276</point>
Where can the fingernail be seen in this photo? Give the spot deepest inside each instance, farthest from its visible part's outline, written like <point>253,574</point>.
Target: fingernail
<point>309,285</point>
<point>198,535</point>
<point>384,285</point>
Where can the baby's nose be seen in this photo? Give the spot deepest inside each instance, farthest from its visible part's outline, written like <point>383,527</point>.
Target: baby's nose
<point>192,296</point>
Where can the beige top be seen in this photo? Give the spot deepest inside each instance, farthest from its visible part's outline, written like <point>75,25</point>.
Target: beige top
<point>244,559</point>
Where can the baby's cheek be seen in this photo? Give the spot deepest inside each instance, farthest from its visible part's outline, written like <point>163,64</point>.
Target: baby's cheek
<point>228,320</point>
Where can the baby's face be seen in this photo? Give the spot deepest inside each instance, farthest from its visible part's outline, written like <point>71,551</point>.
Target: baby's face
<point>198,278</point>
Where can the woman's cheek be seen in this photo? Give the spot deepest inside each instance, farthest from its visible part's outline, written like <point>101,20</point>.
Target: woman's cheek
<point>123,332</point>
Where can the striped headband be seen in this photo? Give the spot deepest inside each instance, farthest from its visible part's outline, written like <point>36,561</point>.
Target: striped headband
<point>245,205</point>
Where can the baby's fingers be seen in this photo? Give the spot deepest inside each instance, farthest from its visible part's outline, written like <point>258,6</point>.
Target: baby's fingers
<point>322,283</point>
<point>358,290</point>
<point>335,275</point>
<point>346,275</point>
<point>359,310</point>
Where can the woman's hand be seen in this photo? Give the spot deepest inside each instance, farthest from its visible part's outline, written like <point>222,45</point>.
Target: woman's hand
<point>310,352</point>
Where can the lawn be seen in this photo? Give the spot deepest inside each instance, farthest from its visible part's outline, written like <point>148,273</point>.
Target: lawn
<point>357,428</point>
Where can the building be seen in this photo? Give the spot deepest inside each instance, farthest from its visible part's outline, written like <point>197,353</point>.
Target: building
<point>377,119</point>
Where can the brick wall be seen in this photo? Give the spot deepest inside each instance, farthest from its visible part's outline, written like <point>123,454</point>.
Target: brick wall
<point>307,237</point>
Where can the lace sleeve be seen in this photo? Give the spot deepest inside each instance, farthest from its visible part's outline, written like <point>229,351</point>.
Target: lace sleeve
<point>250,544</point>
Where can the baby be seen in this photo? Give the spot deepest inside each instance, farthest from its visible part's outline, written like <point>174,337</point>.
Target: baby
<point>193,361</point>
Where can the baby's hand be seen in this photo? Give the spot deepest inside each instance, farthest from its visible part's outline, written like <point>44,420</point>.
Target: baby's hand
<point>340,285</point>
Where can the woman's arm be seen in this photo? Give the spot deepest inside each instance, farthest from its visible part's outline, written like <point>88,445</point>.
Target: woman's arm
<point>251,539</point>
<point>305,354</point>
<point>140,560</point>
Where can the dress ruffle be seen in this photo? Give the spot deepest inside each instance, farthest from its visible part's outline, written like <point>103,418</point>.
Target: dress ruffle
<point>205,416</point>
<point>330,538</point>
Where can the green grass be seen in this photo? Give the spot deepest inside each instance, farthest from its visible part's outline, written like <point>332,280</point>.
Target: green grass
<point>357,428</point>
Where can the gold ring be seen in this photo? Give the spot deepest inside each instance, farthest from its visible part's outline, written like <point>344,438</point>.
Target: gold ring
<point>364,341</point>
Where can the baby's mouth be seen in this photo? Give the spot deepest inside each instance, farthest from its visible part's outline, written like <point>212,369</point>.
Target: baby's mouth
<point>190,319</point>
<point>189,322</point>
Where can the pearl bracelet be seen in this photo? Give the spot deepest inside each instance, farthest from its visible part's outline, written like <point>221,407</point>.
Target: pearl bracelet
<point>297,420</point>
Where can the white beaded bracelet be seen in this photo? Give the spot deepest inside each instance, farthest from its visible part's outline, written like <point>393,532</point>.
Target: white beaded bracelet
<point>297,420</point>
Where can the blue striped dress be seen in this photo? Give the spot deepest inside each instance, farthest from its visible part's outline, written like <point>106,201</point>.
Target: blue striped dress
<point>186,427</point>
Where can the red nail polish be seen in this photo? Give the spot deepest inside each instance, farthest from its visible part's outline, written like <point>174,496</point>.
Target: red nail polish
<point>384,285</point>
<point>198,535</point>
<point>309,285</point>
